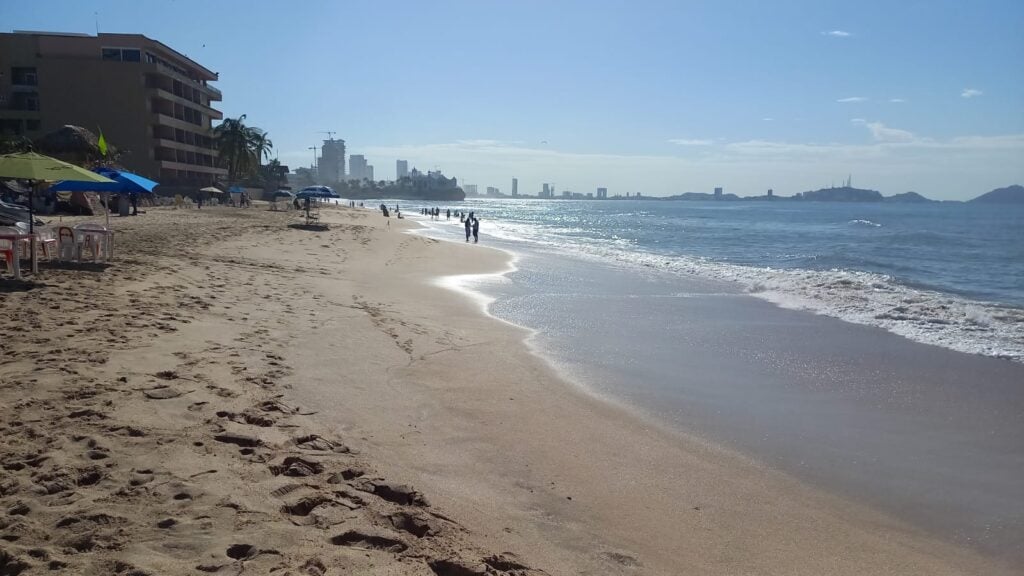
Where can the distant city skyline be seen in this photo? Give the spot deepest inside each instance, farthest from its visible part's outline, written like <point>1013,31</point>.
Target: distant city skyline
<point>657,97</point>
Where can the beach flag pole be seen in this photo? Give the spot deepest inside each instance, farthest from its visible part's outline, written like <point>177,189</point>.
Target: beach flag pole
<point>102,145</point>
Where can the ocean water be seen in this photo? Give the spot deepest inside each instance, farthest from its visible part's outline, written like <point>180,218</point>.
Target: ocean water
<point>696,315</point>
<point>945,274</point>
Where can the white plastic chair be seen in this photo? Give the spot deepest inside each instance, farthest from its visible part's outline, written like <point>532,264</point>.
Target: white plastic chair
<point>93,237</point>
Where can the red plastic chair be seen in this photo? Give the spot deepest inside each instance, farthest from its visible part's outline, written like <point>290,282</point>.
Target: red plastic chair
<point>7,253</point>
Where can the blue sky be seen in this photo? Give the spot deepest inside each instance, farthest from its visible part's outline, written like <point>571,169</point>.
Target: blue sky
<point>656,97</point>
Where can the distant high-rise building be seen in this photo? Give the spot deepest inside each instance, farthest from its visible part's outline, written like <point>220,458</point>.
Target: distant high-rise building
<point>332,161</point>
<point>770,193</point>
<point>492,191</point>
<point>357,167</point>
<point>469,189</point>
<point>515,187</point>
<point>602,193</point>
<point>401,169</point>
<point>369,172</point>
<point>546,192</point>
<point>718,192</point>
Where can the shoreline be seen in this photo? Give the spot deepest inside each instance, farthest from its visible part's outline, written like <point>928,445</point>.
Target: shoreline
<point>411,380</point>
<point>924,313</point>
<point>605,389</point>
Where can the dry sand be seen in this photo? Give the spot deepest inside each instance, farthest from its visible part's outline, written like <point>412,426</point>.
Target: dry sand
<point>235,395</point>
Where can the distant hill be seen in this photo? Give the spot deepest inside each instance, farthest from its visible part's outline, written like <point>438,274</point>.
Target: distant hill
<point>1009,195</point>
<point>908,198</point>
<point>843,194</point>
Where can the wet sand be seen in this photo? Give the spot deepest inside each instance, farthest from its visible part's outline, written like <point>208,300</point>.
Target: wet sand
<point>237,395</point>
<point>930,435</point>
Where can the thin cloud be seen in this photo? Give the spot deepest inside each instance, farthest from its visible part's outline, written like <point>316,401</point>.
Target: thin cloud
<point>690,142</point>
<point>883,133</point>
<point>768,119</point>
<point>897,100</point>
<point>837,33</point>
<point>970,93</point>
<point>852,99</point>
<point>857,121</point>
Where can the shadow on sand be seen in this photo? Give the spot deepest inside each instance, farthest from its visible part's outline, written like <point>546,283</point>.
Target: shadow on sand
<point>79,266</point>
<point>310,227</point>
<point>10,286</point>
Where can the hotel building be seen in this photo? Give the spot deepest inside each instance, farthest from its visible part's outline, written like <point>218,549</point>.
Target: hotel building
<point>150,101</point>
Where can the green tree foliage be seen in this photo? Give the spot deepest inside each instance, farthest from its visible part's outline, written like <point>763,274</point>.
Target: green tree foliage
<point>241,149</point>
<point>304,177</point>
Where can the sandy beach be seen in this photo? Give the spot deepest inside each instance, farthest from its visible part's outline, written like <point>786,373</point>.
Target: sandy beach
<point>236,394</point>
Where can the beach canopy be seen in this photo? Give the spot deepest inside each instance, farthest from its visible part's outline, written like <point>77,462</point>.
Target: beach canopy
<point>211,190</point>
<point>122,183</point>
<point>236,190</point>
<point>283,194</point>
<point>317,192</point>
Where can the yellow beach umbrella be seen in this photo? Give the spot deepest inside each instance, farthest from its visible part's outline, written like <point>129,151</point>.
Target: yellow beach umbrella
<point>39,168</point>
<point>33,166</point>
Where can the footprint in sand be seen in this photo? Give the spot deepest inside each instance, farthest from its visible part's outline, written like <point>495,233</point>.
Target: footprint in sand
<point>370,540</point>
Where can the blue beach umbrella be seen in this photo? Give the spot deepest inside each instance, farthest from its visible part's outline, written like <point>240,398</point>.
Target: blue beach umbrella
<point>317,192</point>
<point>122,183</point>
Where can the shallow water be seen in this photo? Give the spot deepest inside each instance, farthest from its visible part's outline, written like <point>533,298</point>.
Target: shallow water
<point>945,274</point>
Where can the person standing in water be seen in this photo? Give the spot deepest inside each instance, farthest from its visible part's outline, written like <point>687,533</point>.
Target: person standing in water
<point>476,230</point>
<point>469,228</point>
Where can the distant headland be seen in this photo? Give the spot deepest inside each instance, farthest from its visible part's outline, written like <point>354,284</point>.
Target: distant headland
<point>846,193</point>
<point>1009,195</point>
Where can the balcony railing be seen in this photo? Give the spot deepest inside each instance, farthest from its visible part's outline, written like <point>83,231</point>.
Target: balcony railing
<point>172,97</point>
<point>173,73</point>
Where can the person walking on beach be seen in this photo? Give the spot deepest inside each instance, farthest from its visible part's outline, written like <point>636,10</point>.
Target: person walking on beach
<point>469,228</point>
<point>476,230</point>
<point>133,197</point>
<point>449,214</point>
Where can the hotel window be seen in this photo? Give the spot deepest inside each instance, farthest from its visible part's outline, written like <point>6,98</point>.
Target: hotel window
<point>121,54</point>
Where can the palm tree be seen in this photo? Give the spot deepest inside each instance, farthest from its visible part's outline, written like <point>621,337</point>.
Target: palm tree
<point>233,147</point>
<point>259,142</point>
<point>241,148</point>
